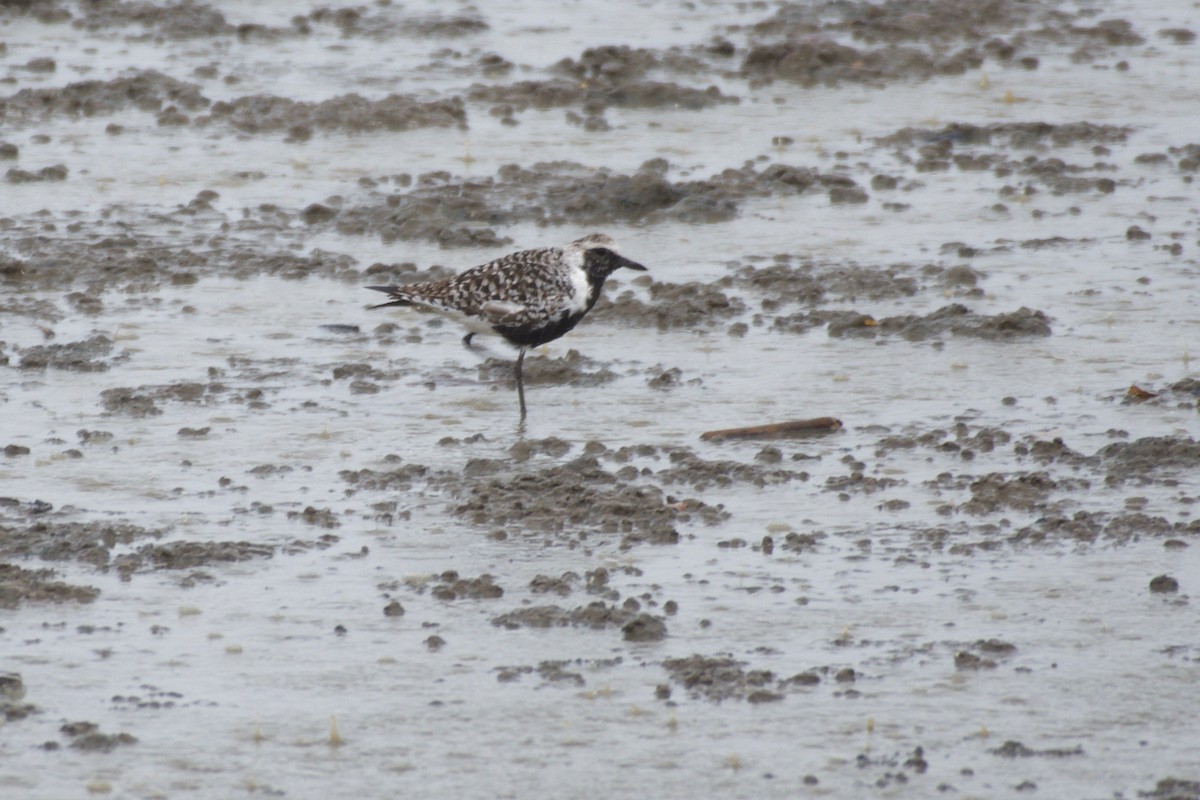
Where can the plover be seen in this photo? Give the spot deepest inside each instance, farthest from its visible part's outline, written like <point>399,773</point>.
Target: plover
<point>528,298</point>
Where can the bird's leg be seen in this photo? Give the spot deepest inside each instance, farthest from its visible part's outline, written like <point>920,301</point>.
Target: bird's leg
<point>467,339</point>
<point>521,383</point>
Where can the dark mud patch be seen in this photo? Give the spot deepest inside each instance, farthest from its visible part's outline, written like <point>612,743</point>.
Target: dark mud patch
<point>149,90</point>
<point>1172,789</point>
<point>635,626</point>
<point>564,500</point>
<point>455,211</point>
<point>989,148</point>
<point>792,278</point>
<point>701,474</point>
<point>177,21</point>
<point>106,546</point>
<point>84,542</point>
<point>89,355</point>
<point>88,259</point>
<point>1022,492</point>
<point>188,555</point>
<point>1086,527</point>
<point>722,677</point>
<point>952,320</point>
<point>1008,135</point>
<point>574,500</point>
<point>983,655</point>
<point>88,737</point>
<point>179,103</point>
<point>55,172</point>
<point>19,586</point>
<point>1152,459</point>
<point>763,292</point>
<point>349,113</point>
<point>610,76</point>
<point>1014,749</point>
<point>879,43</point>
<point>963,439</point>
<point>1180,394</point>
<point>404,477</point>
<point>672,305</point>
<point>12,692</point>
<point>572,369</point>
<point>452,586</point>
<point>557,671</point>
<point>562,586</point>
<point>145,400</point>
<point>593,97</point>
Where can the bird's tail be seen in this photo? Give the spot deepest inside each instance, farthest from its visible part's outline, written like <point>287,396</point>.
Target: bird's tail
<point>394,292</point>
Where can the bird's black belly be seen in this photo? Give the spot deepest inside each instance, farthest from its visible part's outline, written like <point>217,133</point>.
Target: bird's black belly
<point>524,336</point>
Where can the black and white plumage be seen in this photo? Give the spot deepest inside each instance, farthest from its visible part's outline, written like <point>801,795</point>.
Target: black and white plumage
<point>528,298</point>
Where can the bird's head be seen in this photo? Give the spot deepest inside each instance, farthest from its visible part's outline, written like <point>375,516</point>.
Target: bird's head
<point>596,254</point>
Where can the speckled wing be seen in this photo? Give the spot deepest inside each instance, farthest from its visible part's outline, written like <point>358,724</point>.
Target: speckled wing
<point>520,289</point>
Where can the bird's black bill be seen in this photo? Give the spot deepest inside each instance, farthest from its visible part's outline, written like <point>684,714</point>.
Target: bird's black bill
<point>627,264</point>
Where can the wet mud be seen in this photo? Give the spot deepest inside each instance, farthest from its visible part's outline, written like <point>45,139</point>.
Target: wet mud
<point>235,502</point>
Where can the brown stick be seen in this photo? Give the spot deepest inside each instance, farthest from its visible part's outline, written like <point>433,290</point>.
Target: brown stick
<point>776,430</point>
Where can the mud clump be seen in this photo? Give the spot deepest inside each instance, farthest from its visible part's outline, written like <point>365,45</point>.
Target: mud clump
<point>954,320</point>
<point>895,42</point>
<point>795,280</point>
<point>175,21</point>
<point>597,615</point>
<point>83,542</point>
<point>1009,135</point>
<point>12,692</point>
<point>1173,789</point>
<point>405,477</point>
<point>701,474</point>
<point>551,446</point>
<point>19,585</point>
<point>350,113</point>
<point>89,355</point>
<point>991,649</point>
<point>57,172</point>
<point>994,492</point>
<point>826,63</point>
<point>147,91</point>
<point>689,305</point>
<point>718,678</point>
<point>572,369</point>
<point>959,144</point>
<point>144,262</point>
<point>561,586</point>
<point>594,97</point>
<point>87,736</point>
<point>604,77</point>
<point>575,499</point>
<point>454,587</point>
<point>445,26</point>
<point>644,628</point>
<point>188,555</point>
<point>167,98</point>
<point>1091,526</point>
<point>1164,584</point>
<point>129,402</point>
<point>1014,749</point>
<point>1142,459</point>
<point>462,212</point>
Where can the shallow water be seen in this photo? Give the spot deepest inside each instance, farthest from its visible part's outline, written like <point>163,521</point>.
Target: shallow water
<point>965,620</point>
